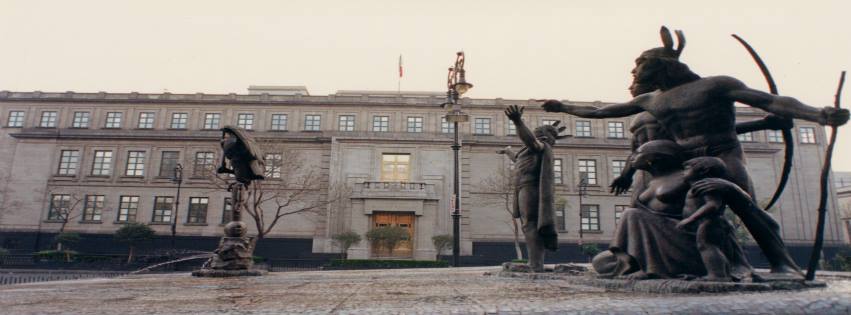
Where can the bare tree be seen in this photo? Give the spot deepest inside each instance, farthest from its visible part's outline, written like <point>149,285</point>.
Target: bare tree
<point>64,209</point>
<point>291,187</point>
<point>501,186</point>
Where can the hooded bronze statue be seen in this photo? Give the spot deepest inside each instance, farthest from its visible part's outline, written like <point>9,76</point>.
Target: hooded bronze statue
<point>245,159</point>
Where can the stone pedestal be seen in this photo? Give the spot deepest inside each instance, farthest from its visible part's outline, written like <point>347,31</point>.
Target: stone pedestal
<point>234,257</point>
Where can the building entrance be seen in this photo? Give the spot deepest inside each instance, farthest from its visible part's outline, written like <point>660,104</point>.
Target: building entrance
<point>401,219</point>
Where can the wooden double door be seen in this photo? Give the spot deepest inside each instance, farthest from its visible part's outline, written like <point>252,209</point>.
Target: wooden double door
<point>403,249</point>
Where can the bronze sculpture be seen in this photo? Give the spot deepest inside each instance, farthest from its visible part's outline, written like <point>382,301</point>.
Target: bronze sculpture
<point>534,186</point>
<point>233,257</point>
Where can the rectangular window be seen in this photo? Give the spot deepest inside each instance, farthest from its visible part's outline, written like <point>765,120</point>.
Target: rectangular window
<point>588,171</point>
<point>395,167</point>
<point>212,121</point>
<point>560,215</point>
<point>48,119</point>
<point>415,124</point>
<point>227,211</point>
<point>68,161</point>
<point>279,122</point>
<point>273,164</point>
<point>197,210</point>
<point>590,217</point>
<point>81,120</point>
<point>346,123</point>
<point>60,206</point>
<point>446,126</point>
<point>245,121</point>
<point>619,212</point>
<point>135,163</point>
<point>808,134</point>
<point>146,121</point>
<point>162,209</point>
<point>102,164</point>
<point>615,130</point>
<point>16,119</point>
<point>312,122</point>
<point>774,136</point>
<point>127,208</point>
<point>113,120</point>
<point>169,163</point>
<point>482,126</point>
<point>93,207</point>
<point>512,128</point>
<point>381,123</point>
<point>617,168</point>
<point>745,137</point>
<point>203,164</point>
<point>557,170</point>
<point>179,120</point>
<point>548,122</point>
<point>583,128</point>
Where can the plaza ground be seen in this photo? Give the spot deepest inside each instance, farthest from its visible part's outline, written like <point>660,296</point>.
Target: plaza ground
<point>401,291</point>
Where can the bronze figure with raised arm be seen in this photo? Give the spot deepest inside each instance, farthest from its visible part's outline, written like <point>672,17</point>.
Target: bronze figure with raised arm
<point>698,113</point>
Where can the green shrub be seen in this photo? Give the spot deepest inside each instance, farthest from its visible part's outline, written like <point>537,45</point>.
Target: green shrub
<point>842,261</point>
<point>258,259</point>
<point>3,252</point>
<point>66,239</point>
<point>56,255</point>
<point>590,250</point>
<point>387,264</point>
<point>387,236</point>
<point>345,241</point>
<point>519,261</point>
<point>132,234</point>
<point>442,243</point>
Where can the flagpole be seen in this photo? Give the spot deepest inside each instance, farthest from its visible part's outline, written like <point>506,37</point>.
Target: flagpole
<point>399,81</point>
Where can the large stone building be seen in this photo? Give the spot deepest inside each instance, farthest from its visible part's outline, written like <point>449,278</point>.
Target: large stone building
<point>112,156</point>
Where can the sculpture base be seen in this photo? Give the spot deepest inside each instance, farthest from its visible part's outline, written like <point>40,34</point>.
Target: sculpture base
<point>560,269</point>
<point>218,273</point>
<point>662,285</point>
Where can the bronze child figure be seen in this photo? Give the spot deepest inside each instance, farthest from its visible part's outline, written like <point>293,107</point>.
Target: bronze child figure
<point>534,192</point>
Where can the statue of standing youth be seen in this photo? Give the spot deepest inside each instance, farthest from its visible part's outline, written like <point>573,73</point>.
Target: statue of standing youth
<point>534,190</point>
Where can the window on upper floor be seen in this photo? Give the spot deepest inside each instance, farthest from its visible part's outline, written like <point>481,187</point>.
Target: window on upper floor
<point>482,126</point>
<point>588,171</point>
<point>583,128</point>
<point>617,168</point>
<point>279,122</point>
<point>774,136</point>
<point>93,207</point>
<point>558,170</point>
<point>16,119</point>
<point>197,210</point>
<point>179,120</point>
<point>346,123</point>
<point>168,163</point>
<point>446,126</point>
<point>81,120</point>
<point>135,163</point>
<point>113,120</point>
<point>415,124</point>
<point>68,162</point>
<point>312,122</point>
<point>48,119</point>
<point>807,134</point>
<point>128,206</point>
<point>381,123</point>
<point>212,121</point>
<point>102,163</point>
<point>512,128</point>
<point>395,167</point>
<point>163,206</point>
<point>245,121</point>
<point>146,121</point>
<point>204,164</point>
<point>745,137</point>
<point>615,130</point>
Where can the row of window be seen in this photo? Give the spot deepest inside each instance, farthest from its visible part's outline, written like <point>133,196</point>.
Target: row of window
<point>805,135</point>
<point>589,217</point>
<point>63,208</point>
<point>279,122</point>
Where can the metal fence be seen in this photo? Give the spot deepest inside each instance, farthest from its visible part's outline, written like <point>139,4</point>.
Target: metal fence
<point>8,277</point>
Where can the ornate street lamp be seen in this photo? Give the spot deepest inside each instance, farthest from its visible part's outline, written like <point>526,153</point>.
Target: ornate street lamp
<point>456,86</point>
<point>178,179</point>
<point>583,189</point>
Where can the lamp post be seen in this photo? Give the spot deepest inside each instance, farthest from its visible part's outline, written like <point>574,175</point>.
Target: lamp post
<point>583,188</point>
<point>178,178</point>
<point>456,86</point>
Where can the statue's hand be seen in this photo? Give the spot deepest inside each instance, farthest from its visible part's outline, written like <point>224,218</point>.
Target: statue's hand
<point>504,150</point>
<point>833,116</point>
<point>621,185</point>
<point>778,123</point>
<point>713,184</point>
<point>514,112</point>
<point>553,106</point>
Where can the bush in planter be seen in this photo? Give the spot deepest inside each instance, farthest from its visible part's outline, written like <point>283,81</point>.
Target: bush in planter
<point>386,264</point>
<point>56,255</point>
<point>441,243</point>
<point>66,239</point>
<point>842,261</point>
<point>590,250</point>
<point>132,234</point>
<point>387,236</point>
<point>345,241</point>
<point>3,253</point>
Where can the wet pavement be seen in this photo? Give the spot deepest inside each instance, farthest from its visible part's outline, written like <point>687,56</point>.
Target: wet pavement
<point>401,291</point>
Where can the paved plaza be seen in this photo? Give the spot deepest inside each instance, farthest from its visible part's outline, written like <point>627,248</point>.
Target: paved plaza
<point>409,291</point>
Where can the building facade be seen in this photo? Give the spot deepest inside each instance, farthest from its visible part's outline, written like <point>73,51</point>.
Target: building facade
<point>110,158</point>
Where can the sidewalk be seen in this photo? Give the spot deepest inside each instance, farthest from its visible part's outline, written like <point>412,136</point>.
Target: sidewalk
<point>401,291</point>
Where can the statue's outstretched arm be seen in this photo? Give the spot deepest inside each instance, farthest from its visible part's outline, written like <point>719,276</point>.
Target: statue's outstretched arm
<point>614,110</point>
<point>783,106</point>
<point>509,153</point>
<point>770,122</point>
<point>515,113</point>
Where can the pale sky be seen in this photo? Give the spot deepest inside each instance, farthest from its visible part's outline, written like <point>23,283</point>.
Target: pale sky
<point>515,49</point>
